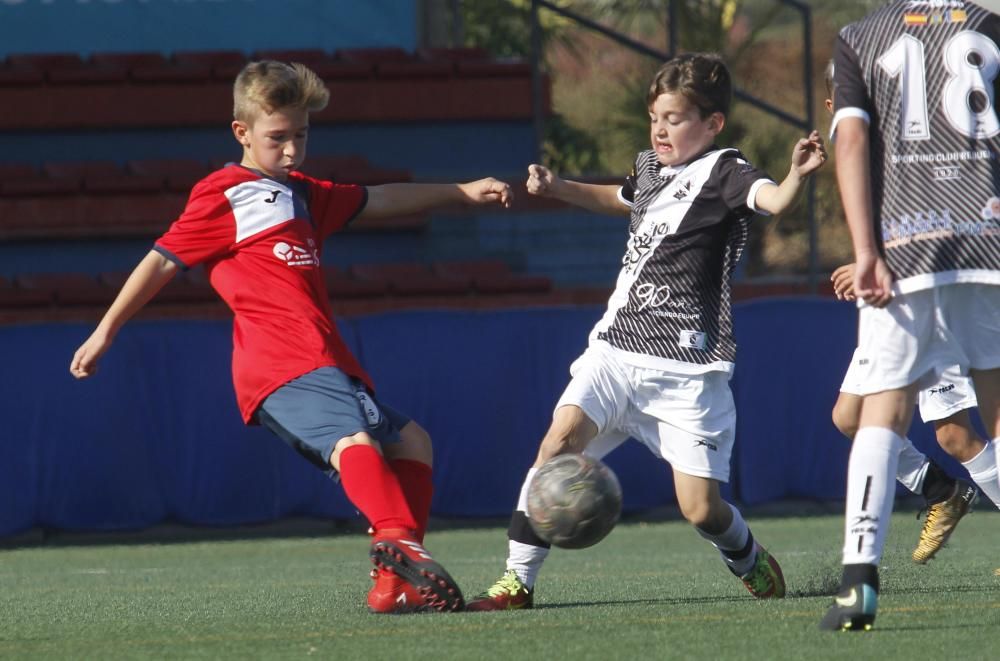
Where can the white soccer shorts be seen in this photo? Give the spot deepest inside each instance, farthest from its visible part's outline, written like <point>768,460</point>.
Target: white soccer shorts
<point>921,334</point>
<point>687,420</point>
<point>951,394</point>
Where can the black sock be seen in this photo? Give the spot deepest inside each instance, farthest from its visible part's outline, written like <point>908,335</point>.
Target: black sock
<point>520,530</point>
<point>938,485</point>
<point>860,573</point>
<point>740,554</point>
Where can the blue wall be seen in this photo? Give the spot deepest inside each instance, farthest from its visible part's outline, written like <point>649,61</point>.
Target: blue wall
<point>155,436</point>
<point>87,26</point>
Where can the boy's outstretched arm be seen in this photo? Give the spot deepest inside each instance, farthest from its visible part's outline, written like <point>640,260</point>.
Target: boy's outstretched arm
<point>152,273</point>
<point>389,200</point>
<point>808,155</point>
<point>599,198</point>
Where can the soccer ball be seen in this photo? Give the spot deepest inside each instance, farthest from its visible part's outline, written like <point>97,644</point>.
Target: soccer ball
<point>574,501</point>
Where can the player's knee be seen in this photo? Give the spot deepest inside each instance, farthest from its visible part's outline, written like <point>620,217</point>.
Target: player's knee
<point>700,513</point>
<point>958,440</point>
<point>844,420</point>
<point>414,443</point>
<point>553,445</point>
<point>361,438</point>
<point>570,431</point>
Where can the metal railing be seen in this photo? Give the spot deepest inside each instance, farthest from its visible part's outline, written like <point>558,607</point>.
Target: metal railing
<point>806,123</point>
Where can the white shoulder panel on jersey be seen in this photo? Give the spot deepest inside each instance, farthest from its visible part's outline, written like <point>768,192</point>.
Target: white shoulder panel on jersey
<point>259,205</point>
<point>752,196</point>
<point>848,112</point>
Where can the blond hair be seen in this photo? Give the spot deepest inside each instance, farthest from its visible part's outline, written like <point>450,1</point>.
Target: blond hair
<point>269,85</point>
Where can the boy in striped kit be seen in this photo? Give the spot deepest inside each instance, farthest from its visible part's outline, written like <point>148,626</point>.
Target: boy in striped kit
<point>658,363</point>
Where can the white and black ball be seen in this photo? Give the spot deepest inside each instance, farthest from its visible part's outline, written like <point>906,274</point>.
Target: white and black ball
<point>574,501</point>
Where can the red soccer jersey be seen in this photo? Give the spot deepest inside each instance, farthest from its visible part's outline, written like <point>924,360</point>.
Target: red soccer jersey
<point>260,241</point>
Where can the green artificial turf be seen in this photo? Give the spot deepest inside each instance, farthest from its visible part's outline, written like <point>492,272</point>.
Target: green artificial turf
<point>649,591</point>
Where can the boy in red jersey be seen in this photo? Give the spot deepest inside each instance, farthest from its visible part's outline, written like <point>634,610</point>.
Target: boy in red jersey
<point>258,227</point>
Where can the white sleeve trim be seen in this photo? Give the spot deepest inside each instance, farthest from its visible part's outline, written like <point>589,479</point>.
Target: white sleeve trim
<point>848,112</point>
<point>621,198</point>
<point>752,196</point>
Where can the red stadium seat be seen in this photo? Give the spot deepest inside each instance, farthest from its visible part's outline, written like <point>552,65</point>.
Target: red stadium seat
<point>374,55</point>
<point>224,64</point>
<point>304,55</point>
<point>80,169</point>
<point>12,296</point>
<point>152,67</point>
<point>103,177</point>
<point>17,171</point>
<point>322,63</point>
<point>412,279</point>
<point>453,54</point>
<point>46,62</point>
<point>353,169</point>
<point>20,179</point>
<point>338,167</point>
<point>68,288</point>
<point>415,69</point>
<point>40,184</point>
<point>68,68</point>
<point>129,61</point>
<point>492,68</point>
<point>178,174</point>
<point>341,285</point>
<point>494,277</point>
<point>20,74</point>
<point>184,287</point>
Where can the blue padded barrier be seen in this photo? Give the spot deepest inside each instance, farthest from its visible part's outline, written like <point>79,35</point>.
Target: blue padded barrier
<point>155,436</point>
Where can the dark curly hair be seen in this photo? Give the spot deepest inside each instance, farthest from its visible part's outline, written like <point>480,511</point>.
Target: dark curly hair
<point>701,78</point>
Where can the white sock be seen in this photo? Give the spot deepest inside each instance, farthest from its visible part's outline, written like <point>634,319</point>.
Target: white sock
<point>984,471</point>
<point>912,468</point>
<point>870,493</point>
<point>525,560</point>
<point>732,544</point>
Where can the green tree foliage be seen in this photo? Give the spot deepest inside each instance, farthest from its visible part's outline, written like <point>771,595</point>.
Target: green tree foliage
<point>599,91</point>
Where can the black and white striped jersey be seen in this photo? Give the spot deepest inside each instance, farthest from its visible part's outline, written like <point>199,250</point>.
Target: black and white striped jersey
<point>670,308</point>
<point>922,75</point>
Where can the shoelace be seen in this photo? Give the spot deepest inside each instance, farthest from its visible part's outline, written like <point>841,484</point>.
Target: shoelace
<point>933,514</point>
<point>509,583</point>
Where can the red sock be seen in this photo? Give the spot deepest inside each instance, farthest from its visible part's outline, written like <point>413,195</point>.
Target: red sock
<point>415,479</point>
<point>374,489</point>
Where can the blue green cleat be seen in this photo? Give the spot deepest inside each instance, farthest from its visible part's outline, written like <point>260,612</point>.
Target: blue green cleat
<point>853,609</point>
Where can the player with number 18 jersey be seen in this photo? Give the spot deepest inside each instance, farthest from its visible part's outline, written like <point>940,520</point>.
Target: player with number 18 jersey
<point>921,74</point>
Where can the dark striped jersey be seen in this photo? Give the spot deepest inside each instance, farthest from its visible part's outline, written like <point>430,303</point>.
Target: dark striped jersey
<point>922,75</point>
<point>670,309</point>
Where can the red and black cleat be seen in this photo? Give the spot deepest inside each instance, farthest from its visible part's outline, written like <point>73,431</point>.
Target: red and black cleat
<point>393,595</point>
<point>397,551</point>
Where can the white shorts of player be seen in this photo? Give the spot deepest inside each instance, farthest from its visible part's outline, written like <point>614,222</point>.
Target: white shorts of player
<point>687,419</point>
<point>920,335</point>
<point>951,394</point>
